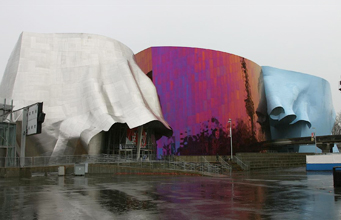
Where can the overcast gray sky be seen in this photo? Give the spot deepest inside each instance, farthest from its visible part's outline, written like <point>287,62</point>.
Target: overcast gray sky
<point>303,36</point>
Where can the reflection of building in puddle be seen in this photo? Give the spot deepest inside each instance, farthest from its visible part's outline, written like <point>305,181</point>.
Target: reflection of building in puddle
<point>80,181</point>
<point>337,194</point>
<point>70,204</point>
<point>61,180</point>
<point>112,200</point>
<point>36,200</point>
<point>119,202</point>
<point>212,199</point>
<point>81,201</point>
<point>324,197</point>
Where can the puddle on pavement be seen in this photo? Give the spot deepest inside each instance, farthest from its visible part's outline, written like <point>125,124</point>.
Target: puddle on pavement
<point>291,194</point>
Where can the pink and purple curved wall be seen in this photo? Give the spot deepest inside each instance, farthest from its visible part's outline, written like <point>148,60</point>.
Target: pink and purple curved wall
<point>199,91</point>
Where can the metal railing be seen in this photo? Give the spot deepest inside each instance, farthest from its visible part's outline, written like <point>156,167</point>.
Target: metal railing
<point>189,165</point>
<point>168,162</point>
<point>162,164</point>
<point>151,161</point>
<point>60,160</point>
<point>243,165</point>
<point>224,164</point>
<point>209,167</point>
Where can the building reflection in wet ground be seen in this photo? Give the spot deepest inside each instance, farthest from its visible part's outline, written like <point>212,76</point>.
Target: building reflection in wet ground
<point>278,194</point>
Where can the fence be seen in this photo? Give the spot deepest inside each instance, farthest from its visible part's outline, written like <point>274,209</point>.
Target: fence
<point>224,165</point>
<point>58,160</point>
<point>166,162</point>
<point>243,165</point>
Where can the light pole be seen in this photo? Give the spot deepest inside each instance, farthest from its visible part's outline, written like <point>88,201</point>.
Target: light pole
<point>230,122</point>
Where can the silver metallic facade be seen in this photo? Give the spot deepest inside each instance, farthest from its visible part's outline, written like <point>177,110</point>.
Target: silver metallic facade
<point>86,82</point>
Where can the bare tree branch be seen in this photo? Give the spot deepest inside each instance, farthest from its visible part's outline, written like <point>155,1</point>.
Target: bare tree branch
<point>337,125</point>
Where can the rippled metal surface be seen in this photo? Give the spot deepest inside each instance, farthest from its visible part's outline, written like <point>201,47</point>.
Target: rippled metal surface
<point>281,194</point>
<point>87,82</point>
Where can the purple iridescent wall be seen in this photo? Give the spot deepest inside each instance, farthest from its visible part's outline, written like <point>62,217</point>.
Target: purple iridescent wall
<point>199,91</point>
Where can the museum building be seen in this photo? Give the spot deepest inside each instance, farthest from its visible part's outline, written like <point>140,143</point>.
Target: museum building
<point>100,98</point>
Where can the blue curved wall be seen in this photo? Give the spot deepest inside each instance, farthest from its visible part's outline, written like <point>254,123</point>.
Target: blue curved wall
<point>298,104</point>
<point>201,89</point>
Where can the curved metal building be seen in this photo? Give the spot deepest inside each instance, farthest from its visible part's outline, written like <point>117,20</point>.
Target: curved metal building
<point>199,91</point>
<point>88,83</point>
<point>101,98</point>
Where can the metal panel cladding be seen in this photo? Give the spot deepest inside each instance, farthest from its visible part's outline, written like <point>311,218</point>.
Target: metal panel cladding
<point>199,91</point>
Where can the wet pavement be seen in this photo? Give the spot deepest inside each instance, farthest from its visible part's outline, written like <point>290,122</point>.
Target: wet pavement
<point>277,194</point>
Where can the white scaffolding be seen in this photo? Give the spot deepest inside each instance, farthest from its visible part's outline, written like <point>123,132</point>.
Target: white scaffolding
<point>7,133</point>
